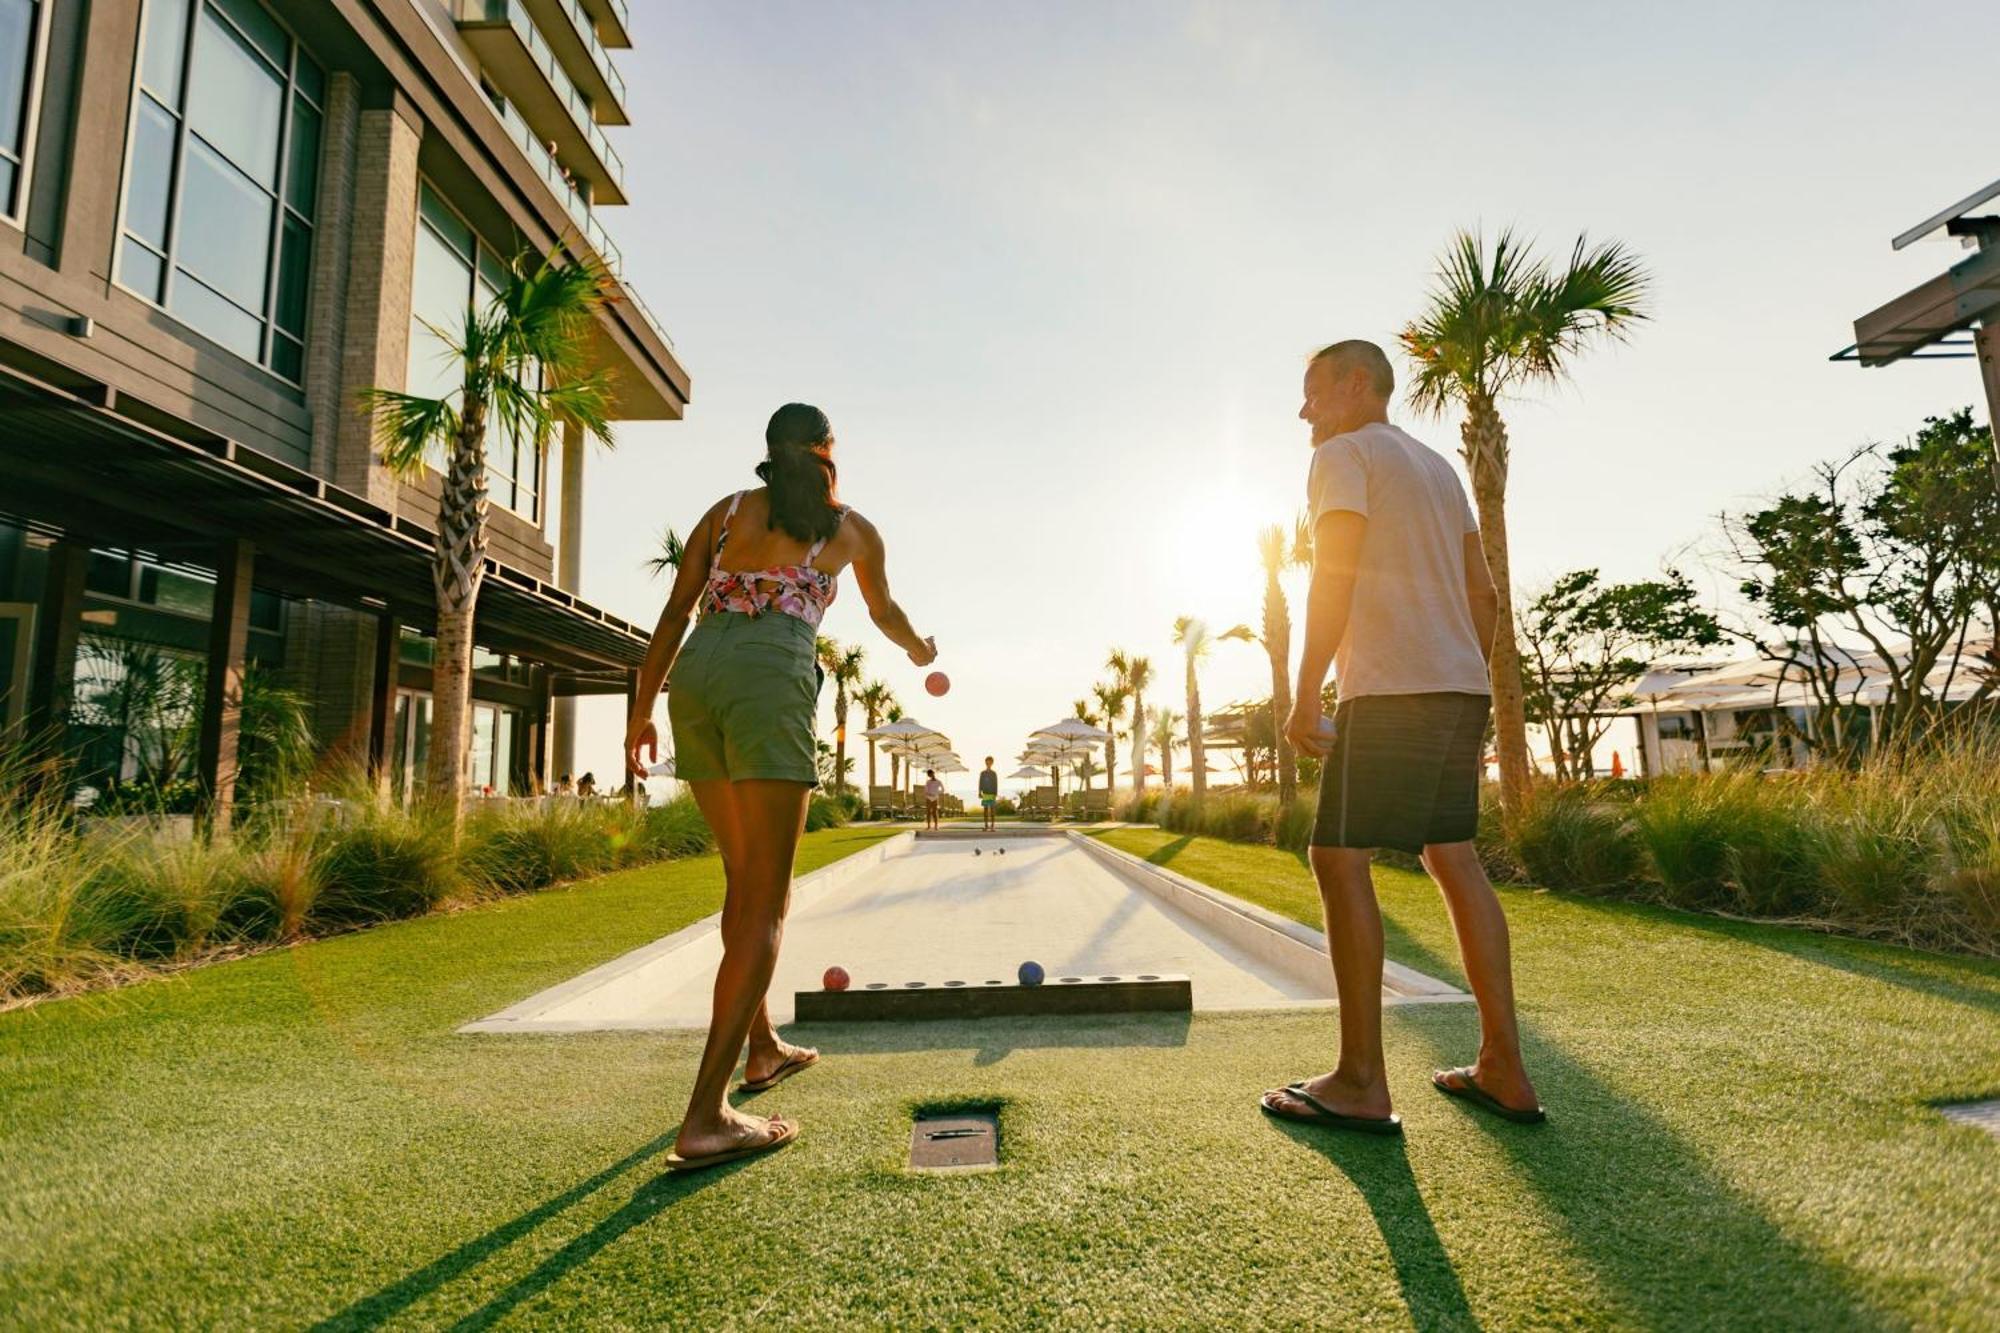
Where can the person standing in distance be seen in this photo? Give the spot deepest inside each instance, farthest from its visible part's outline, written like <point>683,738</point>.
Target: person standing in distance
<point>933,793</point>
<point>989,793</point>
<point>1403,608</point>
<point>762,566</point>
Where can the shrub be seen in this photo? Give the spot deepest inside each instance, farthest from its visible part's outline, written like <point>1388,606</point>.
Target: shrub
<point>381,864</point>
<point>1686,825</point>
<point>171,896</point>
<point>1568,836</point>
<point>823,812</point>
<point>678,829</point>
<point>519,851</point>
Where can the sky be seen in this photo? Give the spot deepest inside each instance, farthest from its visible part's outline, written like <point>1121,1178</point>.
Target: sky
<point>1053,270</point>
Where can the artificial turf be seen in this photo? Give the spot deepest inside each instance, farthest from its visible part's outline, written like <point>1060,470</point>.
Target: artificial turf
<point>1741,1134</point>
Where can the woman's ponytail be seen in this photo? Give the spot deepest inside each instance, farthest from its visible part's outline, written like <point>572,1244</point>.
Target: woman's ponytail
<point>798,469</point>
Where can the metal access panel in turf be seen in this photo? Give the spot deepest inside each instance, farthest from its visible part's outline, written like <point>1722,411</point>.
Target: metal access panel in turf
<point>1147,993</point>
<point>960,1141</point>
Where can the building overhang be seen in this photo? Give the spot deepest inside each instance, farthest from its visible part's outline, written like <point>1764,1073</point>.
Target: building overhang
<point>574,36</point>
<point>81,457</point>
<point>525,69</point>
<point>1957,299</point>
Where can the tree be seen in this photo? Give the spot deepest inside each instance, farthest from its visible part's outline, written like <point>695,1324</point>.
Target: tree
<point>894,713</point>
<point>1897,549</point>
<point>672,551</point>
<point>1136,673</point>
<point>1111,698</point>
<point>843,666</point>
<point>1166,738</point>
<point>1280,550</point>
<point>1499,323</point>
<point>873,697</point>
<point>523,370</point>
<point>1193,638</point>
<point>1586,642</point>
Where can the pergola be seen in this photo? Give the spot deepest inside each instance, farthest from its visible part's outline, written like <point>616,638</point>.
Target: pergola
<point>1955,315</point>
<point>84,466</point>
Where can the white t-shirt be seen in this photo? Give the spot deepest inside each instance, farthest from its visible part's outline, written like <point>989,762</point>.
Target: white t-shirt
<point>1410,630</point>
<point>933,789</point>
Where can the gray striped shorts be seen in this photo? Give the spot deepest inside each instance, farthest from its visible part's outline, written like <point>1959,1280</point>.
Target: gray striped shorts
<point>1403,771</point>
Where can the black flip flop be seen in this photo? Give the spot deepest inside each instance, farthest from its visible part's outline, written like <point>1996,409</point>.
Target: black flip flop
<point>1468,1091</point>
<point>1322,1114</point>
<point>792,1064</point>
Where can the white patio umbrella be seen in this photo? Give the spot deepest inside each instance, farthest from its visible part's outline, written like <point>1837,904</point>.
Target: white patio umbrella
<point>663,769</point>
<point>1074,729</point>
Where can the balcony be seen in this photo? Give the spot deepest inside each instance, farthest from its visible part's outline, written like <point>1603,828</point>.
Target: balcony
<point>580,212</point>
<point>574,36</point>
<point>614,21</point>
<point>523,66</point>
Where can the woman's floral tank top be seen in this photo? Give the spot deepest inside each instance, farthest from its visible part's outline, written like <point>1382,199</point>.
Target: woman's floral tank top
<point>797,590</point>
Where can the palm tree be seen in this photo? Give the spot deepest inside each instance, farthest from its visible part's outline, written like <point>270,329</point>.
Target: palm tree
<point>873,698</point>
<point>1137,675</point>
<point>523,371</point>
<point>1192,636</point>
<point>1165,738</point>
<point>1111,698</point>
<point>1499,323</point>
<point>1279,551</point>
<point>894,713</point>
<point>672,551</point>
<point>843,667</point>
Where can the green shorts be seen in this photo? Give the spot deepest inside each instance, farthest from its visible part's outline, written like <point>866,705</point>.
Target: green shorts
<point>742,699</point>
<point>986,802</point>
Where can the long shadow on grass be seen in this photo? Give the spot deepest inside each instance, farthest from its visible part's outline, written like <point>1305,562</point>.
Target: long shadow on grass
<point>651,1199</point>
<point>1871,960</point>
<point>1380,1170</point>
<point>993,1039</point>
<point>379,1307</point>
<point>1672,1242</point>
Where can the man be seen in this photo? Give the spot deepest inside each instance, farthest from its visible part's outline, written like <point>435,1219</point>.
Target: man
<point>989,792</point>
<point>933,793</point>
<point>1403,607</point>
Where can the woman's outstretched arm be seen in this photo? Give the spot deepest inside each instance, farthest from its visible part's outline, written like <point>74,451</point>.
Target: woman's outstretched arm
<point>666,642</point>
<point>871,572</point>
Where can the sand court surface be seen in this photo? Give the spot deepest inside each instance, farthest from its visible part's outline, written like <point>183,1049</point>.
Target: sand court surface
<point>969,907</point>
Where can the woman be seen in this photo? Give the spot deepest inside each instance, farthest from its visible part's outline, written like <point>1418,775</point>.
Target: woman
<point>762,566</point>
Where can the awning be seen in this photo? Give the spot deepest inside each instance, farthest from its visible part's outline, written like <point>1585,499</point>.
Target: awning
<point>79,456</point>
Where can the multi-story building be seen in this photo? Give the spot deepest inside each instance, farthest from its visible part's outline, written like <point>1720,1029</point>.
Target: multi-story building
<point>220,221</point>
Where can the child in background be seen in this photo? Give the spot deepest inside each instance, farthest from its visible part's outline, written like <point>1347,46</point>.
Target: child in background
<point>933,790</point>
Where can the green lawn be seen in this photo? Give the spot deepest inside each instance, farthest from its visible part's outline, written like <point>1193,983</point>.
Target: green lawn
<point>1741,1135</point>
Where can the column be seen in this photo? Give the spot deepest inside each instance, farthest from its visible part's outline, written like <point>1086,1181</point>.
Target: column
<point>569,575</point>
<point>381,262</point>
<point>382,702</point>
<point>58,623</point>
<point>222,687</point>
<point>1987,340</point>
<point>542,753</point>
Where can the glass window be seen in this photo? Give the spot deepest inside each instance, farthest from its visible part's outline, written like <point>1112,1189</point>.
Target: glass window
<point>230,107</point>
<point>20,22</point>
<point>456,272</point>
<point>166,48</point>
<point>236,101</point>
<point>225,220</point>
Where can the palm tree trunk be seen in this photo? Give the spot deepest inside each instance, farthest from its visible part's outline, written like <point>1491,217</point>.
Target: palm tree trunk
<point>458,566</point>
<point>871,764</point>
<point>1197,764</point>
<point>1485,438</point>
<point>1111,756</point>
<point>1139,742</point>
<point>839,734</point>
<point>1278,643</point>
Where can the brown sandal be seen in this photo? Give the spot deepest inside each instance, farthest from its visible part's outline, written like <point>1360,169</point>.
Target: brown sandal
<point>783,1132</point>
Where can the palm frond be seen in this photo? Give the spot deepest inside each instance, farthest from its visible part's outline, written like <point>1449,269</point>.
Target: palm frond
<point>672,551</point>
<point>407,425</point>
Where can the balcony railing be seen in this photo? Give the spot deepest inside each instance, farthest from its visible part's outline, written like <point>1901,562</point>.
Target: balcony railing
<point>516,17</point>
<point>599,57</point>
<point>580,211</point>
<point>551,172</point>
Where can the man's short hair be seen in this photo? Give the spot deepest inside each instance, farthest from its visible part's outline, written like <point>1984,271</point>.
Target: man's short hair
<point>1359,353</point>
